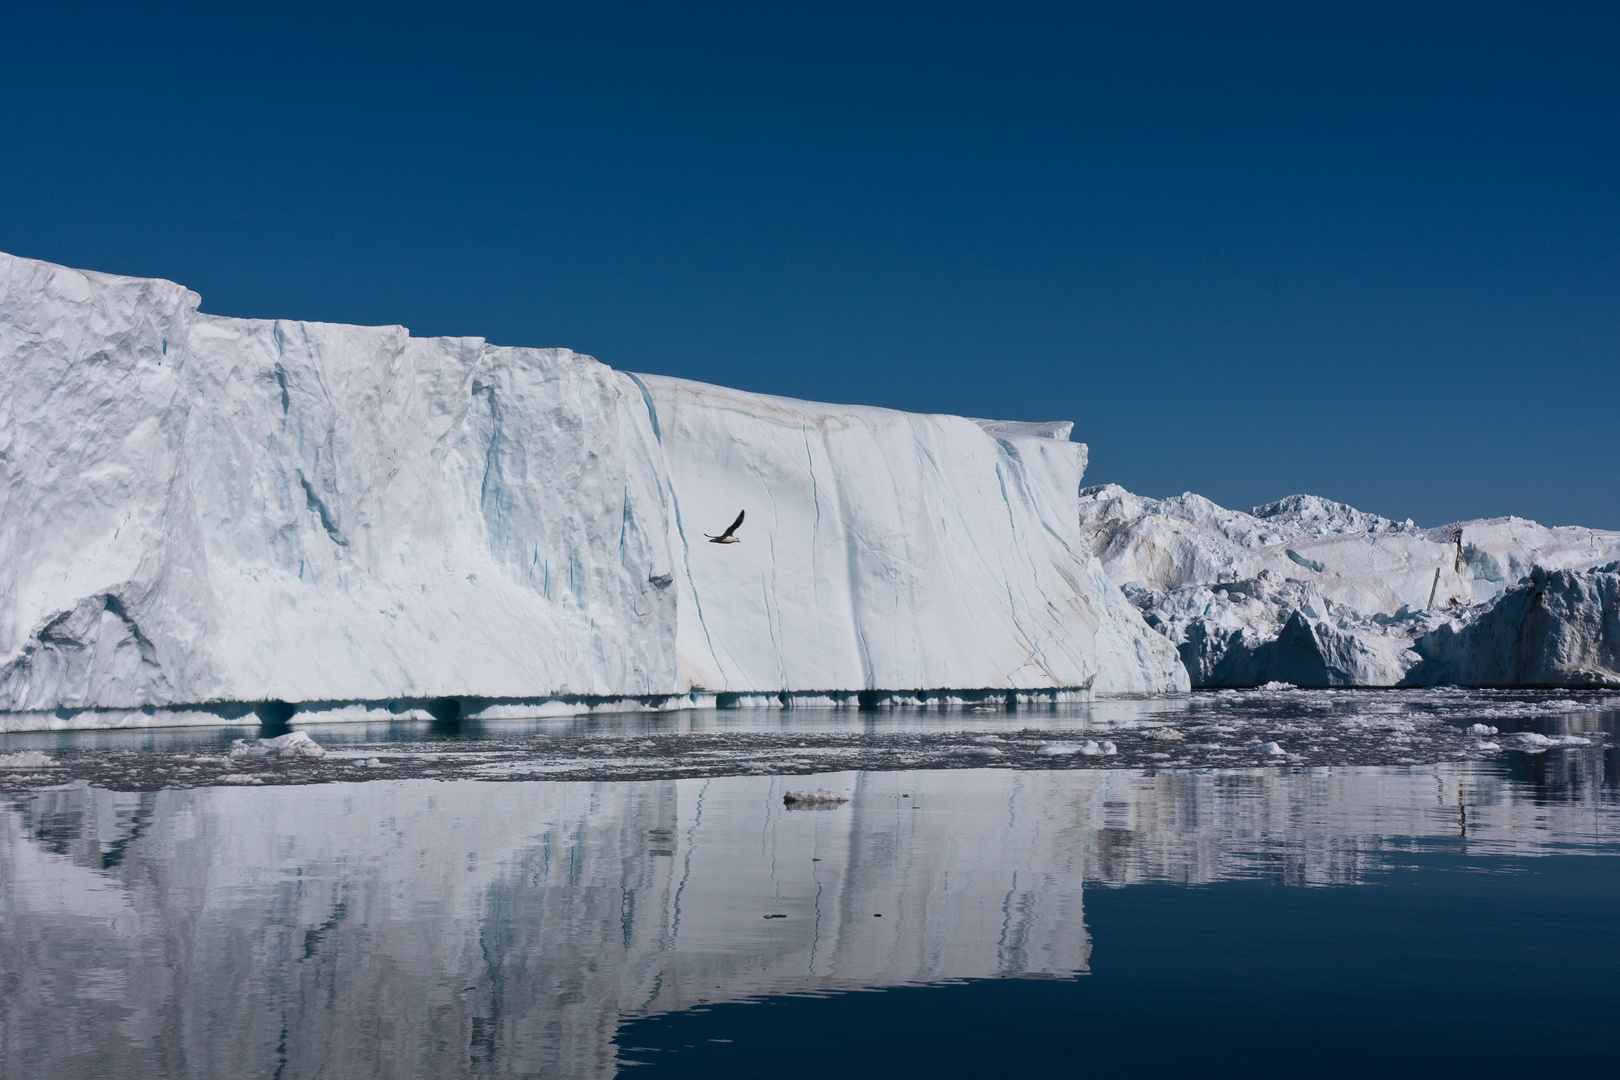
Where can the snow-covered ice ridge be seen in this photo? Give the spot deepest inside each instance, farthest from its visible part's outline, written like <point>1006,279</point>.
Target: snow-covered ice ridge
<point>199,514</point>
<point>1316,593</point>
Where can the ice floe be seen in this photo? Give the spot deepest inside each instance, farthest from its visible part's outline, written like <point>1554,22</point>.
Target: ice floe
<point>296,744</point>
<point>26,759</point>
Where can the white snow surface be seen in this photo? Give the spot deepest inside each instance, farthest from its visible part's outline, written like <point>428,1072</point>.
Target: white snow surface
<point>1317,593</point>
<point>198,510</point>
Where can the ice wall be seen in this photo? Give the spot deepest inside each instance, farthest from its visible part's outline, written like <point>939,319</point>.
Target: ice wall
<point>198,511</point>
<point>886,551</point>
<point>1557,628</point>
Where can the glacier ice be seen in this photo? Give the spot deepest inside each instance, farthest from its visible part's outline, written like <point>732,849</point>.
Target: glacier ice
<point>885,550</point>
<point>1557,628</point>
<point>200,514</point>
<point>202,510</point>
<point>1316,593</point>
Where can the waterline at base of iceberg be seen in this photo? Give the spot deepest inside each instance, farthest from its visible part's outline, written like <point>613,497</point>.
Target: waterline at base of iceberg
<point>1260,730</point>
<point>455,708</point>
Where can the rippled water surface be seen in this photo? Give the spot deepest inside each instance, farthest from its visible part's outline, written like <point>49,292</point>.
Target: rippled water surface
<point>1218,910</point>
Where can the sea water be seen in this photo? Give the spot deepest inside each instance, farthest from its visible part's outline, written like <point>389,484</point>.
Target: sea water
<point>1019,914</point>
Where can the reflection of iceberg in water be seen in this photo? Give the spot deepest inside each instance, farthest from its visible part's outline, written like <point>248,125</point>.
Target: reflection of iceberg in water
<point>418,928</point>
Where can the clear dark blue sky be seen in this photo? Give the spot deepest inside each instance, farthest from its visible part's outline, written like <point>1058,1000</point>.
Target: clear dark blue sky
<point>1367,251</point>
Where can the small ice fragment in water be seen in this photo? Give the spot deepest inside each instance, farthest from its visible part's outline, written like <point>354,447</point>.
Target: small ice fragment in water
<point>1163,734</point>
<point>240,778</point>
<point>1266,749</point>
<point>1482,729</point>
<point>1481,744</point>
<point>1089,748</point>
<point>1532,743</point>
<point>295,744</point>
<point>373,763</point>
<point>1277,686</point>
<point>989,739</point>
<point>820,799</point>
<point>27,759</point>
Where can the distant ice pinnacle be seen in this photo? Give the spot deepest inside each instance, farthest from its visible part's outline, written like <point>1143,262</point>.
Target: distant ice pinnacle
<point>1315,593</point>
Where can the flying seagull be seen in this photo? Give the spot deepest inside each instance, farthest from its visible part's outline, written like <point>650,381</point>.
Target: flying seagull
<point>730,535</point>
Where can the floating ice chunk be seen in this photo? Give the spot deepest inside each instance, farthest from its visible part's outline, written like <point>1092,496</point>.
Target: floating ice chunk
<point>296,744</point>
<point>1534,743</point>
<point>1277,686</point>
<point>820,799</point>
<point>240,778</point>
<point>987,739</point>
<point>1484,745</point>
<point>1165,734</point>
<point>1089,748</point>
<point>1482,729</point>
<point>1267,749</point>
<point>373,763</point>
<point>27,759</point>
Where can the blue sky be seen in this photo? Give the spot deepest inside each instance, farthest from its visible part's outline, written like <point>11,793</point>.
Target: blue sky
<point>1366,251</point>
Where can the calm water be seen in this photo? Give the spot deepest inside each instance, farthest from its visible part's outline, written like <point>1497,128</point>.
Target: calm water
<point>1448,917</point>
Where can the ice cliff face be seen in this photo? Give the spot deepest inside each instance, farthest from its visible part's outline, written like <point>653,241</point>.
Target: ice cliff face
<point>1317,593</point>
<point>1558,628</point>
<point>885,550</point>
<point>198,510</point>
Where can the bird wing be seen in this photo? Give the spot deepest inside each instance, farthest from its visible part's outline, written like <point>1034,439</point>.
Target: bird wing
<point>735,524</point>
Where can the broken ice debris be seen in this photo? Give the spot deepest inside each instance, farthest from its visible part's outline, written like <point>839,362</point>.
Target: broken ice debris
<point>295,744</point>
<point>1089,748</point>
<point>1534,743</point>
<point>28,759</point>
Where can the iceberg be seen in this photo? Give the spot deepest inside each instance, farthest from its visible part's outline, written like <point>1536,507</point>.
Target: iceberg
<point>203,517</point>
<point>1316,593</point>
